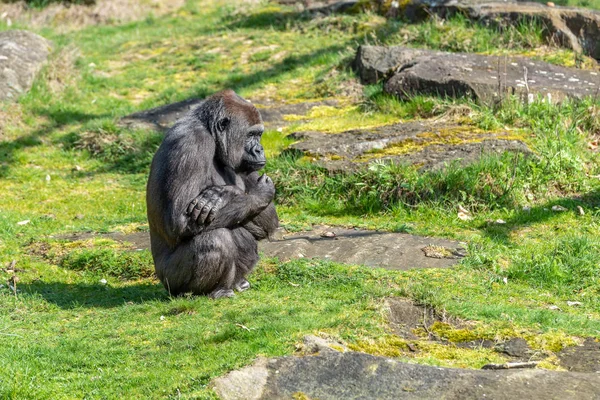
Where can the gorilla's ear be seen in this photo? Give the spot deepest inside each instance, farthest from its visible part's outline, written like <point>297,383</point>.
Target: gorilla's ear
<point>222,124</point>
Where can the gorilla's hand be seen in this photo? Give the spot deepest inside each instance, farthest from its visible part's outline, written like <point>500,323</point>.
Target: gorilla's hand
<point>204,208</point>
<point>261,186</point>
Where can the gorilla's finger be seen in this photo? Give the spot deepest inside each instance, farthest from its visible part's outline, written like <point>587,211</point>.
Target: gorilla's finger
<point>204,213</point>
<point>191,206</point>
<point>194,214</point>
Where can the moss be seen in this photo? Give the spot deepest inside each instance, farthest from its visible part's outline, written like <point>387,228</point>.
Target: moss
<point>330,119</point>
<point>449,136</point>
<point>388,346</point>
<point>447,331</point>
<point>455,357</point>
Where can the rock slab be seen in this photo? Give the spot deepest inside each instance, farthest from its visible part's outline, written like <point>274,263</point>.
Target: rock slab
<point>483,78</point>
<point>396,251</point>
<point>399,251</point>
<point>22,55</point>
<point>428,144</point>
<point>351,375</point>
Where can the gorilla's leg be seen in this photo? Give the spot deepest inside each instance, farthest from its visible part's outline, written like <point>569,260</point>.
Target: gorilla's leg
<point>247,257</point>
<point>206,264</point>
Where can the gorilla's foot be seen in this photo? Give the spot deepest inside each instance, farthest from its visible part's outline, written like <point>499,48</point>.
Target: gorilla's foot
<point>242,285</point>
<point>220,293</point>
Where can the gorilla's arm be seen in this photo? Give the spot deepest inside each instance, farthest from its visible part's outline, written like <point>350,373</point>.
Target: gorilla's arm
<point>264,224</point>
<point>229,206</point>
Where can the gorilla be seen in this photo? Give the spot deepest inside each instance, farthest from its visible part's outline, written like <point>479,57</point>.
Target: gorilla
<point>207,204</point>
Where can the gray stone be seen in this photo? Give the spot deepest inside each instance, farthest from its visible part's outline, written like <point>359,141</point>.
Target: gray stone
<point>584,358</point>
<point>351,375</point>
<point>575,28</point>
<point>427,144</point>
<point>486,78</point>
<point>515,347</point>
<point>163,117</point>
<point>371,248</point>
<point>397,251</point>
<point>22,55</point>
<point>376,63</point>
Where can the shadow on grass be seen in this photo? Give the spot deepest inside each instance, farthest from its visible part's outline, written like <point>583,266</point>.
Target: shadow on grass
<point>58,119</point>
<point>78,295</point>
<point>539,214</point>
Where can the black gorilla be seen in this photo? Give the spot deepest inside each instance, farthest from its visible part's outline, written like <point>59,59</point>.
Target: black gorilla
<point>207,204</point>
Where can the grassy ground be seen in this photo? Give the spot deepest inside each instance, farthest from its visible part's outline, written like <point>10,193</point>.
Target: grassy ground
<point>66,166</point>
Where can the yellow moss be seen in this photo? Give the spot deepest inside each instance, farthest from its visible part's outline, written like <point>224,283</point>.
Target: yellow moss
<point>445,136</point>
<point>447,331</point>
<point>337,348</point>
<point>551,341</point>
<point>388,346</point>
<point>300,396</point>
<point>452,356</point>
<point>330,119</point>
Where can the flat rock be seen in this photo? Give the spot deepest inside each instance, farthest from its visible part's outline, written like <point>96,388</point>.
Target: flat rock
<point>22,55</point>
<point>427,144</point>
<point>483,78</point>
<point>584,358</point>
<point>163,117</point>
<point>397,251</point>
<point>351,375</point>
<point>575,28</point>
<point>489,78</point>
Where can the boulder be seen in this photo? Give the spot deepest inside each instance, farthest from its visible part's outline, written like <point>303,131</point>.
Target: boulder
<point>352,375</point>
<point>22,55</point>
<point>575,28</point>
<point>484,78</point>
<point>428,144</point>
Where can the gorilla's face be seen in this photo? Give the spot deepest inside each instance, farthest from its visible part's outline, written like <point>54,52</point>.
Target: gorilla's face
<point>238,134</point>
<point>253,158</point>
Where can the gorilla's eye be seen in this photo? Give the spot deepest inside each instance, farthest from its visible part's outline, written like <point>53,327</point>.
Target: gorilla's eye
<point>222,124</point>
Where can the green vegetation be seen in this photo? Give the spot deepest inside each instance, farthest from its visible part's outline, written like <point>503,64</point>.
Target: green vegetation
<point>67,166</point>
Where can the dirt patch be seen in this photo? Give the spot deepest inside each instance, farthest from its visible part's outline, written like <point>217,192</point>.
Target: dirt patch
<point>65,18</point>
<point>407,319</point>
<point>411,321</point>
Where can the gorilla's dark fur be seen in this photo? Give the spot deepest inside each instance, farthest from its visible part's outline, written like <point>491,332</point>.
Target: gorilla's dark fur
<point>207,204</point>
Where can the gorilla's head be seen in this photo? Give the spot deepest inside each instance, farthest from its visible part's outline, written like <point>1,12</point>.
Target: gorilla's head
<point>236,126</point>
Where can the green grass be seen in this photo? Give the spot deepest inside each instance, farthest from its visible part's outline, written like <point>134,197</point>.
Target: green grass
<point>67,166</point>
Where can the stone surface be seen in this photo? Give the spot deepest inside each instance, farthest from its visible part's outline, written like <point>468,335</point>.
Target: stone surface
<point>351,375</point>
<point>163,117</point>
<point>428,144</point>
<point>397,251</point>
<point>484,78</point>
<point>371,248</point>
<point>575,28</point>
<point>584,358</point>
<point>515,347</point>
<point>22,55</point>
